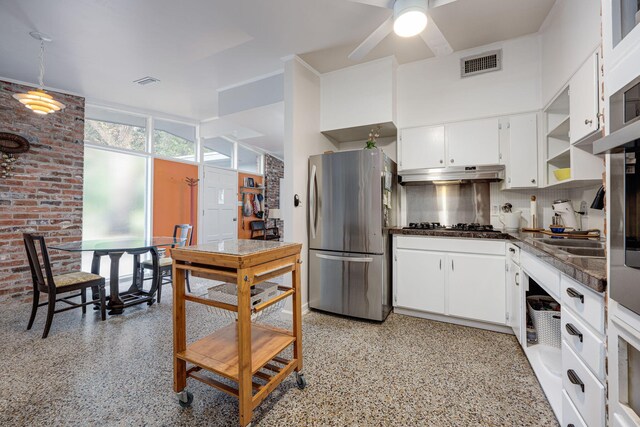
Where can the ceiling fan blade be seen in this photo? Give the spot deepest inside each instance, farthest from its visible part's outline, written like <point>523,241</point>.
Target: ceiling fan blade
<point>436,3</point>
<point>372,41</point>
<point>434,38</point>
<point>380,3</point>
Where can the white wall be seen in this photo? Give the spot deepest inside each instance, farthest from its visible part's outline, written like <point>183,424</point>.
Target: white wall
<point>569,35</point>
<point>388,146</point>
<point>359,95</point>
<point>432,92</point>
<point>302,138</point>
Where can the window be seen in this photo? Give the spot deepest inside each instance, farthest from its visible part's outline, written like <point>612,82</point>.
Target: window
<point>218,152</point>
<point>249,161</point>
<point>172,139</point>
<point>115,129</point>
<point>113,199</point>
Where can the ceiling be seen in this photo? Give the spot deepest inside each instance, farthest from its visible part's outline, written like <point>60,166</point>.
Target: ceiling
<point>261,127</point>
<point>196,47</point>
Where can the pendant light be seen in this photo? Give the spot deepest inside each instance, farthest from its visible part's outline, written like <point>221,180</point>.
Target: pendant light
<point>39,101</point>
<point>409,17</point>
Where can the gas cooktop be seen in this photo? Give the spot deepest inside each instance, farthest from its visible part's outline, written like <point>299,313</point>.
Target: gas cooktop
<point>457,227</point>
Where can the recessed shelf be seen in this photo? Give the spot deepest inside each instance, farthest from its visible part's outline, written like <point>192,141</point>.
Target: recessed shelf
<point>563,157</point>
<point>561,130</point>
<point>560,105</point>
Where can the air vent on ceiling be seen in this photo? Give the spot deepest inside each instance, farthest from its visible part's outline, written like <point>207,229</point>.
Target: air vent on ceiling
<point>146,80</point>
<point>483,63</point>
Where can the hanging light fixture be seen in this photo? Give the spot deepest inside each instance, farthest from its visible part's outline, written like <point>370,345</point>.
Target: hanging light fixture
<point>39,101</point>
<point>409,17</point>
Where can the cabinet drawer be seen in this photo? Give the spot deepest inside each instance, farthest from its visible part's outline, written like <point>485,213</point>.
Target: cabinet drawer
<point>447,244</point>
<point>544,274</point>
<point>570,415</point>
<point>587,394</point>
<point>589,305</point>
<point>584,342</point>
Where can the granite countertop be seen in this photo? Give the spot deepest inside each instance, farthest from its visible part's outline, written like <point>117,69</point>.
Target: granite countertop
<point>450,233</point>
<point>591,272</point>
<point>239,247</point>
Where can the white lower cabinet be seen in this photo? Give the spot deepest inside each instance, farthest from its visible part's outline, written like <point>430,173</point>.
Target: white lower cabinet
<point>458,278</point>
<point>584,389</point>
<point>422,275</point>
<point>570,414</point>
<point>477,287</point>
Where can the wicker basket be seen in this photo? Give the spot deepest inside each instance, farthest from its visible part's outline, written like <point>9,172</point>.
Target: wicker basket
<point>545,321</point>
<point>262,292</point>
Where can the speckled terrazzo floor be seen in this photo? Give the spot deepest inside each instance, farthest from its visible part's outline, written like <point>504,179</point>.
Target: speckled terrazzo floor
<point>404,372</point>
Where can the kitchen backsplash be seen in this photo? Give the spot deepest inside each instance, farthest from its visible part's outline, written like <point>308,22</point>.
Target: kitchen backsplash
<point>422,205</point>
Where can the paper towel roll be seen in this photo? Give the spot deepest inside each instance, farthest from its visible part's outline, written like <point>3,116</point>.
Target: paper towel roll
<point>533,213</point>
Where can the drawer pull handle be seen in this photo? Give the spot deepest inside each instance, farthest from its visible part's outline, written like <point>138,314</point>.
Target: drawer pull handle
<point>575,379</point>
<point>573,331</point>
<point>575,294</point>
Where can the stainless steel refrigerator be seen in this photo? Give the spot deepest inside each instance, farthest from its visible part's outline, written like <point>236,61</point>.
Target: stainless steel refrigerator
<point>352,202</point>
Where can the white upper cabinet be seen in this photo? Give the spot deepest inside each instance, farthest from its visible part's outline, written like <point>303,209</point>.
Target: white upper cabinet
<point>362,95</point>
<point>421,148</point>
<point>519,150</point>
<point>583,100</point>
<point>473,143</point>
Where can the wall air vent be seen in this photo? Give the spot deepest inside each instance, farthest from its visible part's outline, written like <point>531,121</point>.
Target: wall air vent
<point>146,80</point>
<point>483,63</point>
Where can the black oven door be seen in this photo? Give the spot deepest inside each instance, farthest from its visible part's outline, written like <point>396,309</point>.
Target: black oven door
<point>632,208</point>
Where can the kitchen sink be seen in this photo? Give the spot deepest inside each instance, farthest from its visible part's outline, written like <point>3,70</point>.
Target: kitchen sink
<point>572,243</point>
<point>591,252</point>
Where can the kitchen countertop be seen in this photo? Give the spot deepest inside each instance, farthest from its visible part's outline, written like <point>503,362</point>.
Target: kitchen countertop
<point>591,272</point>
<point>451,233</point>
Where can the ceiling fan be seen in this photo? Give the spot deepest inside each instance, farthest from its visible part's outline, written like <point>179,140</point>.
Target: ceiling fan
<point>409,18</point>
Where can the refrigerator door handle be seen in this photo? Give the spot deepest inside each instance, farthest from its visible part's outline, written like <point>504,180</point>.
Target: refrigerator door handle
<point>313,202</point>
<point>344,258</point>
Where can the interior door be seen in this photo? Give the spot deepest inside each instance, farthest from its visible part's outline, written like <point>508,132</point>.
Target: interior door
<point>219,214</point>
<point>477,288</point>
<point>473,143</point>
<point>422,148</point>
<point>420,280</point>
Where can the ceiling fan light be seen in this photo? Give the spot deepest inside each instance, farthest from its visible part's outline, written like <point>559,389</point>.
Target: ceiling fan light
<point>410,17</point>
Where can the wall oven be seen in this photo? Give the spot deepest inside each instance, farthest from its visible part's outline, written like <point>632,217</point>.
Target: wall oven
<point>623,185</point>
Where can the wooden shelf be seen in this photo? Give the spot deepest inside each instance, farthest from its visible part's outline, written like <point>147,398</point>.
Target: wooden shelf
<point>253,188</point>
<point>218,352</point>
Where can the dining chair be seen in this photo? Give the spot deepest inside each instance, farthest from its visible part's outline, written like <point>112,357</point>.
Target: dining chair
<point>183,232</point>
<point>58,284</point>
<point>259,231</point>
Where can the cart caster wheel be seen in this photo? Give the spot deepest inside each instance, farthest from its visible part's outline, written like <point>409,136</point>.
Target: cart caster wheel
<point>301,381</point>
<point>185,399</point>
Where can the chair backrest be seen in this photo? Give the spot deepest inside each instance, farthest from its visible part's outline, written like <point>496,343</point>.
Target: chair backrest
<point>257,225</point>
<point>183,232</point>
<point>39,281</point>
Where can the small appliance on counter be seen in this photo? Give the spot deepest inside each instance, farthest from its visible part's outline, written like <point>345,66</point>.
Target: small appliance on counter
<point>564,209</point>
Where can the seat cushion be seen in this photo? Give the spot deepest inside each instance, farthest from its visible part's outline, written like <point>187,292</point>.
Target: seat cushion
<point>74,278</point>
<point>164,262</point>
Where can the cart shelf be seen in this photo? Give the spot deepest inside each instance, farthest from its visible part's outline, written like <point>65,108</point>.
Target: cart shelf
<point>218,352</point>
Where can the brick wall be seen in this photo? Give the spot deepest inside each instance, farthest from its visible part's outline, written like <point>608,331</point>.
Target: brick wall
<point>45,193</point>
<point>273,171</point>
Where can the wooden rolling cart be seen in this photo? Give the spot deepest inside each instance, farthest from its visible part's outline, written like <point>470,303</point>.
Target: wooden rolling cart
<point>245,353</point>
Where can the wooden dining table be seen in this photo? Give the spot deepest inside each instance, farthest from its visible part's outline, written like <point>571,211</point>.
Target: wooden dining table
<point>114,249</point>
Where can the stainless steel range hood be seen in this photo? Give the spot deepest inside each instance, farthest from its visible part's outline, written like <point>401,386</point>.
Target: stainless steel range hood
<point>452,175</point>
